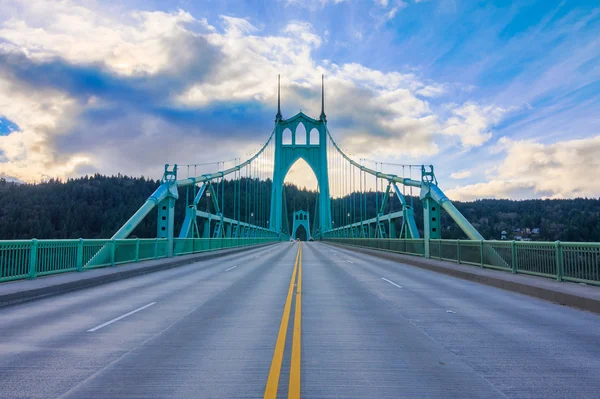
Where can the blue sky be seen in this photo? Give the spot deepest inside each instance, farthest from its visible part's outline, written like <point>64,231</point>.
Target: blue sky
<point>501,96</point>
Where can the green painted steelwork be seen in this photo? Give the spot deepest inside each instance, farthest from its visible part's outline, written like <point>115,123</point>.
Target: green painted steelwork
<point>28,259</point>
<point>285,154</point>
<point>301,218</point>
<point>22,259</point>
<point>429,191</point>
<point>315,155</point>
<point>563,261</point>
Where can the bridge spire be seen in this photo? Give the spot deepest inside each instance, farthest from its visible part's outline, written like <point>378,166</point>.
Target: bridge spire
<point>278,117</point>
<point>323,117</point>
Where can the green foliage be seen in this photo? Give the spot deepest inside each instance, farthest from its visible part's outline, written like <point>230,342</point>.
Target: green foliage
<point>559,219</point>
<point>87,207</point>
<point>96,206</point>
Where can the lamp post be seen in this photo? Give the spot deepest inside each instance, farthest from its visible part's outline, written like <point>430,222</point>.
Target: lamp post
<point>207,201</point>
<point>348,224</point>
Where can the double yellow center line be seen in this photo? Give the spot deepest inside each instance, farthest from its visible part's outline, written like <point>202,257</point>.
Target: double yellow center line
<point>273,381</point>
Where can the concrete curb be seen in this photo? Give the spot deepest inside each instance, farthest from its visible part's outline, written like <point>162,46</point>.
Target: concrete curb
<point>108,274</point>
<point>538,287</point>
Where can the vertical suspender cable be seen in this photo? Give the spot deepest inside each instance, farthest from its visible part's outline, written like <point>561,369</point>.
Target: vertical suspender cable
<point>223,194</point>
<point>376,194</point>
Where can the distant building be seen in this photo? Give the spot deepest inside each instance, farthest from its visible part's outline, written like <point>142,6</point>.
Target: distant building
<point>535,230</point>
<point>527,230</point>
<point>518,238</point>
<point>516,230</point>
<point>503,235</point>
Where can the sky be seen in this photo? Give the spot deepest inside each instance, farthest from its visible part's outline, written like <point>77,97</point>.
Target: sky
<point>502,97</point>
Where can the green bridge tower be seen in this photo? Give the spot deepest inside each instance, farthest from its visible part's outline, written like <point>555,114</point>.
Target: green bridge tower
<point>313,150</point>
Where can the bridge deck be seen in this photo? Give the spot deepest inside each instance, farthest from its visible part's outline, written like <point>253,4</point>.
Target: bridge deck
<point>371,328</point>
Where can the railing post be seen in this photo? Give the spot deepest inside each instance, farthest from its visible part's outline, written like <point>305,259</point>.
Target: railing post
<point>33,258</point>
<point>458,251</point>
<point>559,261</point>
<point>113,249</point>
<point>156,248</point>
<point>481,251</point>
<point>513,250</point>
<point>137,250</point>
<point>440,248</point>
<point>80,255</point>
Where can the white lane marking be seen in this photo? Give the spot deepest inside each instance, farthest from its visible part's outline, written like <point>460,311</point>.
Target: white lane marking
<point>120,317</point>
<point>257,256</point>
<point>391,282</point>
<point>349,261</point>
<point>232,267</point>
<point>450,311</point>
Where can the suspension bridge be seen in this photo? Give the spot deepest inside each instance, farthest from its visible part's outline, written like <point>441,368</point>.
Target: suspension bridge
<point>359,311</point>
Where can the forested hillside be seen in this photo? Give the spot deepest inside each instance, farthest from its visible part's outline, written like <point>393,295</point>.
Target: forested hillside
<point>96,206</point>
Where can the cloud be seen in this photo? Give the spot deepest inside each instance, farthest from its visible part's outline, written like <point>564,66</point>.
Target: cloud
<point>45,30</point>
<point>393,10</point>
<point>392,13</point>
<point>434,90</point>
<point>462,174</point>
<point>237,26</point>
<point>529,169</point>
<point>312,5</point>
<point>127,92</point>
<point>472,123</point>
<point>303,31</point>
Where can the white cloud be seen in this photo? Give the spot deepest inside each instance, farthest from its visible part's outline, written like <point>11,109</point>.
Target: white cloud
<point>565,169</point>
<point>370,112</point>
<point>391,13</point>
<point>434,90</point>
<point>462,174</point>
<point>472,123</point>
<point>303,31</point>
<point>237,26</point>
<point>37,113</point>
<point>312,4</point>
<point>44,30</point>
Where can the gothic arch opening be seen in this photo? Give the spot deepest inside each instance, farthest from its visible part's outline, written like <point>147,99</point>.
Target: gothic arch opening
<point>301,191</point>
<point>301,175</point>
<point>300,134</point>
<point>286,136</point>
<point>301,233</point>
<point>314,137</point>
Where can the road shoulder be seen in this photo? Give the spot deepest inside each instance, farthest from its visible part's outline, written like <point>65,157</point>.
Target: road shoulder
<point>579,296</point>
<point>26,290</point>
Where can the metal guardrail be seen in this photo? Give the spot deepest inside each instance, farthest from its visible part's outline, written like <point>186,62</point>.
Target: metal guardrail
<point>404,246</point>
<point>563,261</point>
<point>27,259</point>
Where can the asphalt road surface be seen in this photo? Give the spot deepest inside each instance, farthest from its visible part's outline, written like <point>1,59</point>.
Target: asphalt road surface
<point>320,322</point>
